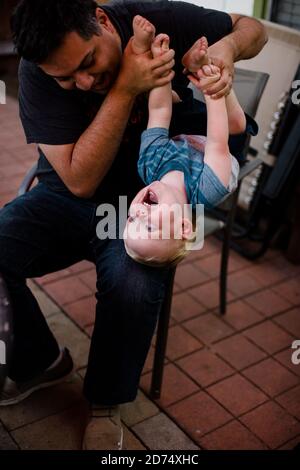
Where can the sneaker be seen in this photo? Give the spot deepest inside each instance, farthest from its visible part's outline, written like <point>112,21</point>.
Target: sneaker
<point>104,430</point>
<point>15,392</point>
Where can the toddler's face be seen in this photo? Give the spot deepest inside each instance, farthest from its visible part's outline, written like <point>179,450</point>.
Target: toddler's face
<point>154,225</point>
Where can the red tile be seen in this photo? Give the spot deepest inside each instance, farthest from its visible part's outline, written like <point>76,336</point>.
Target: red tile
<point>211,246</point>
<point>291,445</point>
<point>290,290</point>
<point>205,367</point>
<point>210,265</point>
<point>8,197</point>
<point>271,424</point>
<point>291,401</point>
<point>89,278</point>
<point>67,290</point>
<point>238,262</point>
<point>89,330</point>
<point>285,266</point>
<point>149,361</point>
<point>232,436</point>
<point>176,288</point>
<point>12,169</point>
<point>271,377</point>
<point>208,294</point>
<point>208,328</point>
<point>82,311</point>
<point>240,315</point>
<point>176,385</point>
<point>290,321</point>
<point>11,184</point>
<point>181,343</point>
<point>185,307</point>
<point>237,394</point>
<point>239,352</point>
<point>56,276</point>
<point>82,266</point>
<point>188,276</point>
<point>285,358</point>
<point>242,283</point>
<point>199,414</point>
<point>268,302</point>
<point>269,337</point>
<point>267,273</point>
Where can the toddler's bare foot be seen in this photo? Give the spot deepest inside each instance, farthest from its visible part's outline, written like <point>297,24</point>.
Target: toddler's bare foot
<point>144,32</point>
<point>160,45</point>
<point>197,56</point>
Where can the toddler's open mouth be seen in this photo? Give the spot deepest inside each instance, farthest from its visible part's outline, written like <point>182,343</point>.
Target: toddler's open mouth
<point>150,198</point>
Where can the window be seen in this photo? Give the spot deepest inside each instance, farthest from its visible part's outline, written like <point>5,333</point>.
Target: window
<point>286,12</point>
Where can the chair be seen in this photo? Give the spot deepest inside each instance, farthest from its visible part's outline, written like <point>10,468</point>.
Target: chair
<point>249,87</point>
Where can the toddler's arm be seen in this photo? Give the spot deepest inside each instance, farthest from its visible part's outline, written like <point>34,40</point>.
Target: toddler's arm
<point>160,107</point>
<point>217,154</point>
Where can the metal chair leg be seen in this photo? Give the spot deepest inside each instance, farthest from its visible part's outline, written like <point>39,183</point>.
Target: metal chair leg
<point>226,251</point>
<point>161,339</point>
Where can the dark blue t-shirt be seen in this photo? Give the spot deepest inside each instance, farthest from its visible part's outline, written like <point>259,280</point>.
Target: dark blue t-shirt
<point>51,115</point>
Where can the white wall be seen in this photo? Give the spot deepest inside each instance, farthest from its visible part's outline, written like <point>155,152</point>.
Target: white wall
<point>230,6</point>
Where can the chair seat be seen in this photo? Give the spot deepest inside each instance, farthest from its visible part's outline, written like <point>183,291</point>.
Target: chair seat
<point>212,225</point>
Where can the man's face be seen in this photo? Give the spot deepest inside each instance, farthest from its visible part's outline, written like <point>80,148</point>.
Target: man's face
<point>88,65</point>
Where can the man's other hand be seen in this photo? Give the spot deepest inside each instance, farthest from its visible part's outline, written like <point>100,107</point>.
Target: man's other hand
<point>140,72</point>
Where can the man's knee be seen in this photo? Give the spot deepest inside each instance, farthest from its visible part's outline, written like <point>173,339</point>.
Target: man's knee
<point>128,281</point>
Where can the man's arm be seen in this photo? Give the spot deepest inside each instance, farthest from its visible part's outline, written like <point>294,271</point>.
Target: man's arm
<point>246,40</point>
<point>248,37</point>
<point>83,165</point>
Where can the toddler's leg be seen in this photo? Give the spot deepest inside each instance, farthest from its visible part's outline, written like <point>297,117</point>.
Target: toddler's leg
<point>197,56</point>
<point>236,116</point>
<point>160,98</point>
<point>144,33</point>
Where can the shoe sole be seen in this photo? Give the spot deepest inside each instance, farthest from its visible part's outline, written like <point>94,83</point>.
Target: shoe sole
<point>120,443</point>
<point>24,395</point>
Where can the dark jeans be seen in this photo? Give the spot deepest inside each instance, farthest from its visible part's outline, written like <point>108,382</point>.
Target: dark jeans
<point>45,231</point>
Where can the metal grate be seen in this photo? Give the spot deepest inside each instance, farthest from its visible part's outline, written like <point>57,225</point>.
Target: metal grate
<point>286,12</point>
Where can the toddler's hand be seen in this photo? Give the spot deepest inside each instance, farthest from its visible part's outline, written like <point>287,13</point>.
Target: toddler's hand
<point>205,77</point>
<point>210,70</point>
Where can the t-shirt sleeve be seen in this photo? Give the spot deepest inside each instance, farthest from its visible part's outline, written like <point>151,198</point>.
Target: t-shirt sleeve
<point>49,114</point>
<point>209,191</point>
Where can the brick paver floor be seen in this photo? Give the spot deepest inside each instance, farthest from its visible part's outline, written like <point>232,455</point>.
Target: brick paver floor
<point>229,381</point>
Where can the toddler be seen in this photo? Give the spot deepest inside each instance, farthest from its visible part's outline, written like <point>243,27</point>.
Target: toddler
<point>187,169</point>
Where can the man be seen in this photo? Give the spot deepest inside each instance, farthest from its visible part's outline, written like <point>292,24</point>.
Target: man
<point>81,101</point>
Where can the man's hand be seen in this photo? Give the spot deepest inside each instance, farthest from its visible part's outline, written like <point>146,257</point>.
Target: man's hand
<point>220,55</point>
<point>140,72</point>
<point>246,40</point>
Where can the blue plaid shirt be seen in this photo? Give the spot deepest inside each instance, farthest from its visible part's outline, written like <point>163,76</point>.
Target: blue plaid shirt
<point>159,155</point>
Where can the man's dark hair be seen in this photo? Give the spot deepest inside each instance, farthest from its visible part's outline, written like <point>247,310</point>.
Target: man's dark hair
<point>39,26</point>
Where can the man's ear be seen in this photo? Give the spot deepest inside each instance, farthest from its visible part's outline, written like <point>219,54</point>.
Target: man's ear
<point>103,19</point>
<point>187,229</point>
